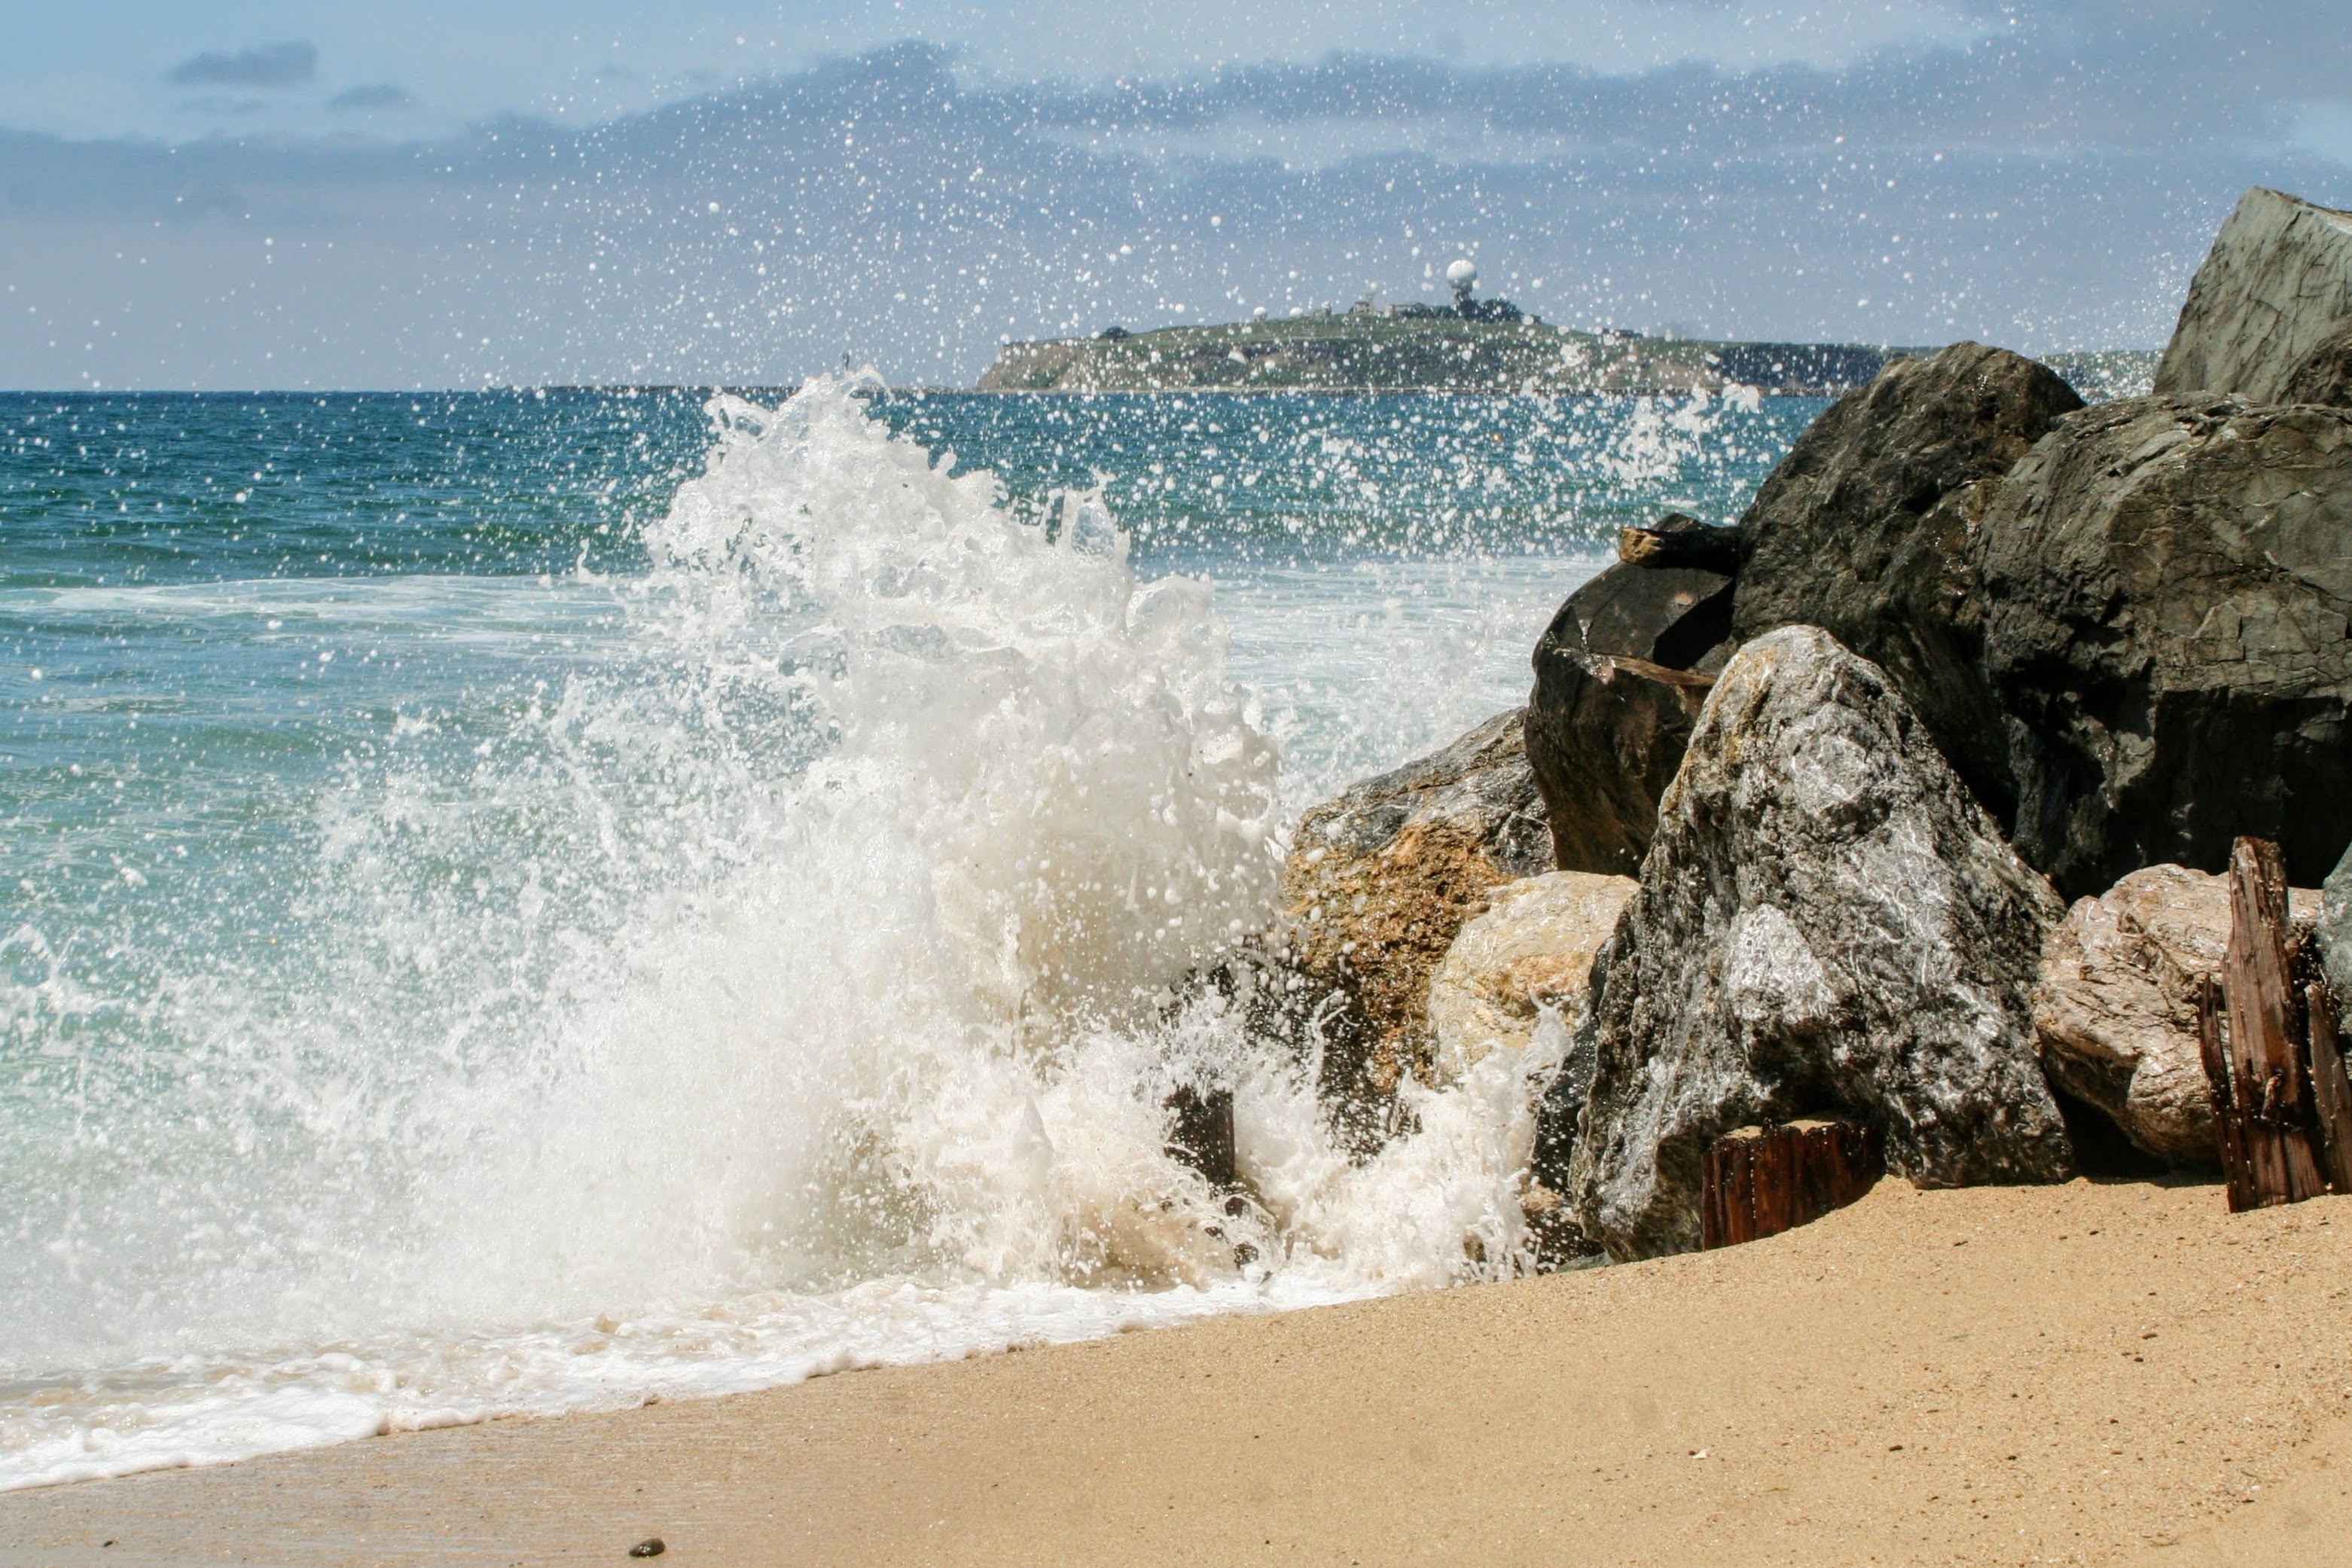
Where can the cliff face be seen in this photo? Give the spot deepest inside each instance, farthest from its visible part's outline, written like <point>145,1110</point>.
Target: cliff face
<point>1387,354</point>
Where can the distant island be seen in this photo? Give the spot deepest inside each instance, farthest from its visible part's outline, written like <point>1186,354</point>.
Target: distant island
<point>1473,346</point>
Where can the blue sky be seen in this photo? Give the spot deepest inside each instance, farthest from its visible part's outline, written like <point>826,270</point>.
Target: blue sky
<point>397,194</point>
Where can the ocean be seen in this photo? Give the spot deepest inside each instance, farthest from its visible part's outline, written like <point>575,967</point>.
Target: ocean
<point>530,901</point>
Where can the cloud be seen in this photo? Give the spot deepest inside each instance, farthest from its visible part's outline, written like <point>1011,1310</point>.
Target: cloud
<point>289,64</point>
<point>904,208</point>
<point>373,95</point>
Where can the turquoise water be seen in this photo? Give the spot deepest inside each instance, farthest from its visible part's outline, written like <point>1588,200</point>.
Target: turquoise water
<point>511,901</point>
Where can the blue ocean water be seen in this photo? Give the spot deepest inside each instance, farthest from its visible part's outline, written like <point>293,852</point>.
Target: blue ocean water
<point>523,899</point>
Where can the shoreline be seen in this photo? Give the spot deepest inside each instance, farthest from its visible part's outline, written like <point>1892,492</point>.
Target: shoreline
<point>2096,1373</point>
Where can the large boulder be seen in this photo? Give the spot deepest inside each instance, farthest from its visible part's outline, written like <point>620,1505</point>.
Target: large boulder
<point>1379,880</point>
<point>1865,530</point>
<point>1828,924</point>
<point>2277,281</point>
<point>1620,674</point>
<point>2116,1006</point>
<point>2166,587</point>
<point>1531,948</point>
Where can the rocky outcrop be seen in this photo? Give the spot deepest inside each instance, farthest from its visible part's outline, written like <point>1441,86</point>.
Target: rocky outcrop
<point>1828,924</point>
<point>1867,530</point>
<point>2277,281</point>
<point>2115,1005</point>
<point>2166,587</point>
<point>1532,947</point>
<point>1379,880</point>
<point>1620,674</point>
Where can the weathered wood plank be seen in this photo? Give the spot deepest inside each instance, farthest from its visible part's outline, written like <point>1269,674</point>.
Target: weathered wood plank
<point>2237,1164</point>
<point>2269,1081</point>
<point>2331,1091</point>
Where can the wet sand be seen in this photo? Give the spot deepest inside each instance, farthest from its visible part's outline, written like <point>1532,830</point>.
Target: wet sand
<point>2094,1373</point>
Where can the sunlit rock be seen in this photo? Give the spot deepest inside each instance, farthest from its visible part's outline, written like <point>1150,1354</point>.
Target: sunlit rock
<point>1828,924</point>
<point>2277,281</point>
<point>1533,947</point>
<point>1379,880</point>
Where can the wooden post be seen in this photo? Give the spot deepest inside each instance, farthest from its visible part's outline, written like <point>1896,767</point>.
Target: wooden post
<point>1760,1180</point>
<point>2260,1075</point>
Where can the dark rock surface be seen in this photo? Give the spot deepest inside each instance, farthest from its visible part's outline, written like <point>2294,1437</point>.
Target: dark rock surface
<point>1379,880</point>
<point>1828,924</point>
<point>2276,282</point>
<point>2325,374</point>
<point>2168,582</point>
<point>1867,529</point>
<point>1607,735</point>
<point>1679,539</point>
<point>1619,675</point>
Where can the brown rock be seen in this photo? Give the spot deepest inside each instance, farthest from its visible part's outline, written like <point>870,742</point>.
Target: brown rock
<point>1605,734</point>
<point>2116,1005</point>
<point>1619,675</point>
<point>1379,880</point>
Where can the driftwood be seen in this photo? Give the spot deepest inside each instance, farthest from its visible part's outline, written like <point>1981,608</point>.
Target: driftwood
<point>2272,1059</point>
<point>1761,1181</point>
<point>1679,541</point>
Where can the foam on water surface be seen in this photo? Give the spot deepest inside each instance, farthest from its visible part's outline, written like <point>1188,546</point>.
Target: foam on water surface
<point>750,950</point>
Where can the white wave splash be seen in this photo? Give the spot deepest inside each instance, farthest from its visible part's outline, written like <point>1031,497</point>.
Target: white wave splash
<point>795,989</point>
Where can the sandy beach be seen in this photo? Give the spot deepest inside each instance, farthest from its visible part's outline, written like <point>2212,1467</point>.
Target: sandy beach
<point>2090,1374</point>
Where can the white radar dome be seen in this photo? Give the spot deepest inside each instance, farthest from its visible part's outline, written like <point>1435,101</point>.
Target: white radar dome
<point>1462,273</point>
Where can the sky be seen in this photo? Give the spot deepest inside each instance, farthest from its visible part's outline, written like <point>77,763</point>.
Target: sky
<point>429,193</point>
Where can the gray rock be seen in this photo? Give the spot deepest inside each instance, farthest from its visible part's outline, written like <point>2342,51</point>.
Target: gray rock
<point>1828,924</point>
<point>2325,374</point>
<point>2166,585</point>
<point>2336,928</point>
<point>1865,530</point>
<point>1379,880</point>
<point>2276,282</point>
<point>2115,1005</point>
<point>1620,674</point>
